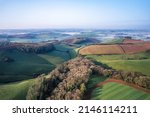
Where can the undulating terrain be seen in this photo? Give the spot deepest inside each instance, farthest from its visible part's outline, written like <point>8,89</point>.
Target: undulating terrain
<point>77,67</point>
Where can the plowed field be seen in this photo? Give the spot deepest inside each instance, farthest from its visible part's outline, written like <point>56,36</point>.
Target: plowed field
<point>135,46</point>
<point>101,49</point>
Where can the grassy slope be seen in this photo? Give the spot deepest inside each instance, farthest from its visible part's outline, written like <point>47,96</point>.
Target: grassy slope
<point>135,62</point>
<point>16,90</point>
<point>142,66</point>
<point>59,55</point>
<point>24,66</point>
<point>115,91</point>
<point>55,57</point>
<point>71,50</point>
<point>93,80</point>
<point>27,64</point>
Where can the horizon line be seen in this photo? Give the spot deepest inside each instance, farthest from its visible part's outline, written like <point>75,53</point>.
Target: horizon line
<point>73,29</point>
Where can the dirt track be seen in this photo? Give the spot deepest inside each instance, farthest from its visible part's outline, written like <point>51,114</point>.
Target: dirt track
<point>124,83</point>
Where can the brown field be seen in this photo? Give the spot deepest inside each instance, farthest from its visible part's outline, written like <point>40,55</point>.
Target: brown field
<point>134,48</point>
<point>101,49</point>
<point>129,46</point>
<point>147,45</point>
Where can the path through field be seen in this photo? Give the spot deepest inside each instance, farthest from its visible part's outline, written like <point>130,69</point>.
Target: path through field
<point>124,83</point>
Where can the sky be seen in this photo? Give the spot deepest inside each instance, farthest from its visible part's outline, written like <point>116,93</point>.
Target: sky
<point>98,14</point>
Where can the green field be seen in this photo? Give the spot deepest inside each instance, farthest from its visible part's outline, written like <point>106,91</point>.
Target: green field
<point>23,67</point>
<point>135,62</point>
<point>71,50</point>
<point>60,55</point>
<point>16,91</point>
<point>53,57</point>
<point>113,41</point>
<point>115,91</point>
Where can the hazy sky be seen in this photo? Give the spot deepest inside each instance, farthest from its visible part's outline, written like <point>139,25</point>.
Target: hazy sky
<point>107,14</point>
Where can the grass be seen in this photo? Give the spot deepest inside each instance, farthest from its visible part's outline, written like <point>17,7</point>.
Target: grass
<point>113,41</point>
<point>142,66</point>
<point>93,80</point>
<point>115,91</point>
<point>15,91</point>
<point>134,62</point>
<point>23,67</point>
<point>55,57</point>
<point>61,54</point>
<point>71,49</point>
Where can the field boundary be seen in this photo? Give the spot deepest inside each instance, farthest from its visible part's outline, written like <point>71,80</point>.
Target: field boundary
<point>124,83</point>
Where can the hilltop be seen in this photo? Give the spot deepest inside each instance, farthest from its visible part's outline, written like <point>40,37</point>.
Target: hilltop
<point>80,41</point>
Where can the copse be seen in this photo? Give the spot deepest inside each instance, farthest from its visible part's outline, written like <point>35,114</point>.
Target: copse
<point>67,81</point>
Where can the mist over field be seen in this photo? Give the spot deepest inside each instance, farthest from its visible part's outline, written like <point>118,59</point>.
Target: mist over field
<point>39,35</point>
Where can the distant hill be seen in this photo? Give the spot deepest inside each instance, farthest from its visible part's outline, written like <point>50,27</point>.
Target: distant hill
<point>133,41</point>
<point>80,40</point>
<point>27,47</point>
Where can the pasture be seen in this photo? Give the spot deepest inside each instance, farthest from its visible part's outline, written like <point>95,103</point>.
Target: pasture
<point>15,91</point>
<point>24,66</point>
<point>116,91</point>
<point>134,62</point>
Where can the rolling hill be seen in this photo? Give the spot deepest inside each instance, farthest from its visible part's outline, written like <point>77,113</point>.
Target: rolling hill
<point>28,74</point>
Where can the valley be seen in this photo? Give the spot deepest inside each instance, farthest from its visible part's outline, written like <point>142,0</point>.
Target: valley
<point>77,67</point>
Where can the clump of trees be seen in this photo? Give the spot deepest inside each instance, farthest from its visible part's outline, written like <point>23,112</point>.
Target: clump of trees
<point>130,77</point>
<point>67,81</point>
<point>148,52</point>
<point>133,78</point>
<point>35,48</point>
<point>27,47</point>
